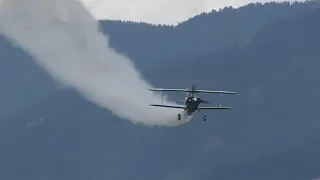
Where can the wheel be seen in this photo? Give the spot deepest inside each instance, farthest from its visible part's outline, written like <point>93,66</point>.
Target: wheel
<point>179,116</point>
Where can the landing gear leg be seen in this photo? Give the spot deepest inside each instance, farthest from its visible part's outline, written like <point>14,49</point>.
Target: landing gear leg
<point>179,116</point>
<point>204,116</point>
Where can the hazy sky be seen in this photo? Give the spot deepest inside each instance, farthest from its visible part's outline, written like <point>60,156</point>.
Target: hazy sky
<point>157,11</point>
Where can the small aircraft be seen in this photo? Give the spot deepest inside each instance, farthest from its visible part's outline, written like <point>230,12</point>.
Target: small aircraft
<point>191,102</point>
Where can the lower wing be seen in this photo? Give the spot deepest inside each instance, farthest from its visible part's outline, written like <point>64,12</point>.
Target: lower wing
<point>166,106</point>
<point>221,107</point>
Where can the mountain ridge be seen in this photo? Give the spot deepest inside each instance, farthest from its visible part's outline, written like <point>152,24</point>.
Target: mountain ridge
<point>220,32</point>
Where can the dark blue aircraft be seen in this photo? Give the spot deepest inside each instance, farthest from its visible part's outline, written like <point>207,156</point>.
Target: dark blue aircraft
<point>191,103</point>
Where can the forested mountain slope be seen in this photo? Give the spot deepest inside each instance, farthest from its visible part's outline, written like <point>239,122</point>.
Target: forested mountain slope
<point>207,32</point>
<point>272,132</point>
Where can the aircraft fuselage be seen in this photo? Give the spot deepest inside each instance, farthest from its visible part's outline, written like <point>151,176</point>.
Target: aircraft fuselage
<point>192,104</point>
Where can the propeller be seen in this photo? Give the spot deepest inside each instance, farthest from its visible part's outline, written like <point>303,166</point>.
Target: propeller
<point>193,89</point>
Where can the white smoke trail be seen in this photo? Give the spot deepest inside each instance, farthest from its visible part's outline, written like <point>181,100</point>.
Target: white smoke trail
<point>65,40</point>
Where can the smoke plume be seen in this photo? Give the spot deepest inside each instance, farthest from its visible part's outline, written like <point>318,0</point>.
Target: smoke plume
<point>65,40</point>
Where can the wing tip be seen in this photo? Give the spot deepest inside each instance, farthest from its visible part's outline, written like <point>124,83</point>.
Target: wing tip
<point>225,108</point>
<point>229,92</point>
<point>154,105</point>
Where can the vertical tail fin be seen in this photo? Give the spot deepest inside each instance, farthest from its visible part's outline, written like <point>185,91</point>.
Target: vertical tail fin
<point>191,94</point>
<point>192,89</point>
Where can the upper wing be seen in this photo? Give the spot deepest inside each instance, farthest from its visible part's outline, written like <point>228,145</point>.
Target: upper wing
<point>221,107</point>
<point>188,90</point>
<point>167,106</point>
<point>161,89</point>
<point>218,92</point>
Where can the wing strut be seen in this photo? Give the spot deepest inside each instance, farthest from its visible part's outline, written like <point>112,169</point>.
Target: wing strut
<point>162,97</point>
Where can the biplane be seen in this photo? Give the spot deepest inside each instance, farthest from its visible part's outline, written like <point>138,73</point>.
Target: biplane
<point>191,102</point>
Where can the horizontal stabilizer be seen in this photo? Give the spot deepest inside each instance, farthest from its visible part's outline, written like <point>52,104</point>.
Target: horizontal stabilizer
<point>188,90</point>
<point>166,106</point>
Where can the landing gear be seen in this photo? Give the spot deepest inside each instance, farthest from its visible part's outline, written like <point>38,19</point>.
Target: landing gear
<point>179,116</point>
<point>204,116</point>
